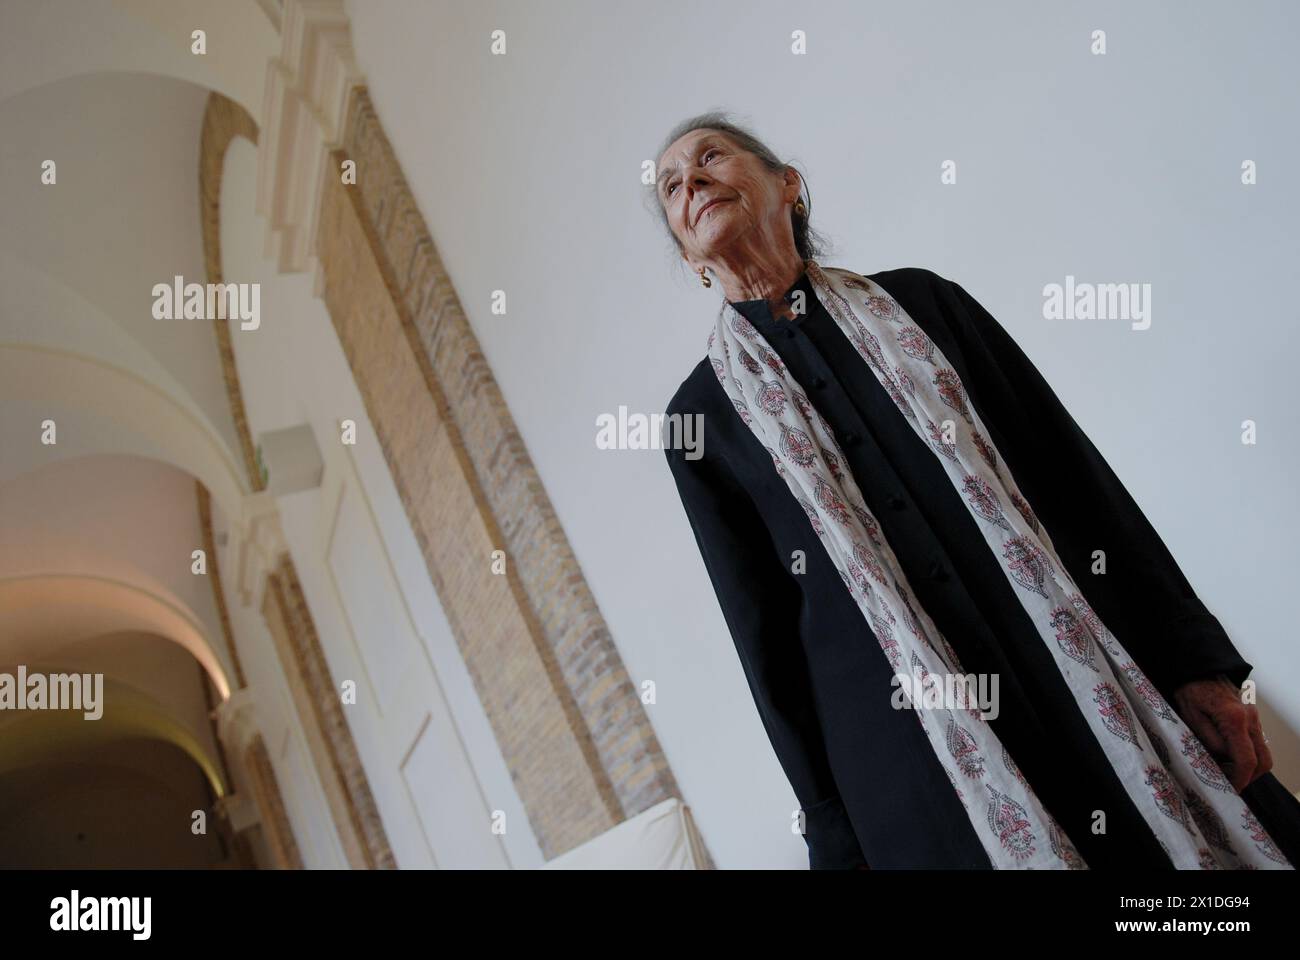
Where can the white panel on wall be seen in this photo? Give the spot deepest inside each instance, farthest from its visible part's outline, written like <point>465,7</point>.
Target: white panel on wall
<point>411,710</point>
<point>300,789</point>
<point>456,820</point>
<point>391,654</point>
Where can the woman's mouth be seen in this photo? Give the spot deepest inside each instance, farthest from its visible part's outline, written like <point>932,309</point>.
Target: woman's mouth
<point>705,208</point>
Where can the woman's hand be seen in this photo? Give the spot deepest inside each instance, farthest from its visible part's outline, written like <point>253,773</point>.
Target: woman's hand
<point>1230,729</point>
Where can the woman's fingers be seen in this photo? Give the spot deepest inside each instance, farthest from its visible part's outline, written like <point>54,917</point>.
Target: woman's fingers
<point>1263,756</point>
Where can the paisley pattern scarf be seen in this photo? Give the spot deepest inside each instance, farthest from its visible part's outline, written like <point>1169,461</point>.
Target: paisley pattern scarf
<point>1181,793</point>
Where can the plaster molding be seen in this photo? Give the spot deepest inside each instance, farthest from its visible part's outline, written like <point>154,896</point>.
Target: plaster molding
<point>240,811</point>
<point>261,544</point>
<point>307,91</point>
<point>237,721</point>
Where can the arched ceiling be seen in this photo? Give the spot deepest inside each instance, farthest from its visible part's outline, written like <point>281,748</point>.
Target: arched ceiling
<point>83,255</point>
<point>79,259</point>
<point>44,41</point>
<point>96,530</point>
<point>125,804</point>
<point>103,543</point>
<point>33,737</point>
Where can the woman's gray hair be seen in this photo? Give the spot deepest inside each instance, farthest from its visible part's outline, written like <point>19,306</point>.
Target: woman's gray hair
<point>807,241</point>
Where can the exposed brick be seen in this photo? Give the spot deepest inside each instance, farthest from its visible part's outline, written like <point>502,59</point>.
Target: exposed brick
<point>555,690</point>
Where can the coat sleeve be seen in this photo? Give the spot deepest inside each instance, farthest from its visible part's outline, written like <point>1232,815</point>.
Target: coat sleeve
<point>1168,630</point>
<point>761,603</point>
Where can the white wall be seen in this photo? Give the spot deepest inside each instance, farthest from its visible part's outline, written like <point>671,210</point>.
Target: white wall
<point>1122,168</point>
<point>433,763</point>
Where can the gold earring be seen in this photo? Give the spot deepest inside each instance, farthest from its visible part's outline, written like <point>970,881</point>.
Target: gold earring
<point>800,209</point>
<point>705,280</point>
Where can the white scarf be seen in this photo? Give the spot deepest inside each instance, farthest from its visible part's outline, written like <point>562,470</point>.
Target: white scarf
<point>1194,812</point>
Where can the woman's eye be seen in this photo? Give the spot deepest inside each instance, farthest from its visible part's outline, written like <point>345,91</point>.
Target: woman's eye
<point>668,191</point>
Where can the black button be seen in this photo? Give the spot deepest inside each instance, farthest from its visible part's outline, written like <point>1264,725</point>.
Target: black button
<point>937,572</point>
<point>851,439</point>
<point>896,502</point>
<point>819,383</point>
<point>789,332</point>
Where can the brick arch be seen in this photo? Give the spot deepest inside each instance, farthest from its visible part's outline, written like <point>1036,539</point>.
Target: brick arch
<point>223,120</point>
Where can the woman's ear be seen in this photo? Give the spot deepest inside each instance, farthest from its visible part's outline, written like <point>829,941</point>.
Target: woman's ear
<point>793,182</point>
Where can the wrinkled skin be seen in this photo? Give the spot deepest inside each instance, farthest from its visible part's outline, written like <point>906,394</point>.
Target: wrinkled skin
<point>1230,729</point>
<point>747,240</point>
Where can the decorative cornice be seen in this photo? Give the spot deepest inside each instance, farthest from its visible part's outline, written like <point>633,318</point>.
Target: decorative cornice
<point>237,720</point>
<point>261,544</point>
<point>240,811</point>
<point>307,91</point>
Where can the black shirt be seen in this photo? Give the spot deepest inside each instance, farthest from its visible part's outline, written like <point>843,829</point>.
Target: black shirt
<point>865,774</point>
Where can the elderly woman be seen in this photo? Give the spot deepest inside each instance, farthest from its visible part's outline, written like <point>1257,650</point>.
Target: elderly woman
<point>894,508</point>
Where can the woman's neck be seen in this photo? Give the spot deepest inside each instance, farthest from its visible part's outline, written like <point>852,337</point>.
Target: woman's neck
<point>760,277</point>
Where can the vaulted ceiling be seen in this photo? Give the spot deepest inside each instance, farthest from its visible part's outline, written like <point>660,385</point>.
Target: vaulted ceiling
<point>97,529</point>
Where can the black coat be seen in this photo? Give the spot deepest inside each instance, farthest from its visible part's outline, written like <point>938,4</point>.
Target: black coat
<point>864,773</point>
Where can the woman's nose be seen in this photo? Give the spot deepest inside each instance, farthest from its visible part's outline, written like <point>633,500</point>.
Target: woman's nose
<point>696,180</point>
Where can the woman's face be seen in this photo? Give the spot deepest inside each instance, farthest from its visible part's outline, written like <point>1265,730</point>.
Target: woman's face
<point>717,195</point>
